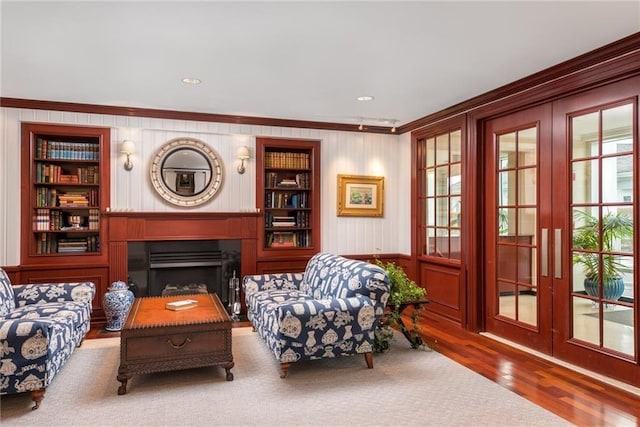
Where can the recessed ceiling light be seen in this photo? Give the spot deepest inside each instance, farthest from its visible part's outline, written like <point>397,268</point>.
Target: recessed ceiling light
<point>365,98</point>
<point>191,81</point>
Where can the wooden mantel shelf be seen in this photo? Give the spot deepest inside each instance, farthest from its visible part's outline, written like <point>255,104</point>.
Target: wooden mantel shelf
<point>177,214</point>
<point>133,226</point>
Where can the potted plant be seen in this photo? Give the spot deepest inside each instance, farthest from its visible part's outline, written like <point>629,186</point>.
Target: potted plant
<point>403,292</point>
<point>586,237</point>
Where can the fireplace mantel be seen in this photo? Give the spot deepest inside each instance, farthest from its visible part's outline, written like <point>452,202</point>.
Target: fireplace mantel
<point>129,226</point>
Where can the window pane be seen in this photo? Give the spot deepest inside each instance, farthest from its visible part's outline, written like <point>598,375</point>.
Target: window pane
<point>617,127</point>
<point>618,321</point>
<point>430,154</point>
<point>442,242</point>
<point>617,179</point>
<point>528,147</point>
<point>506,221</point>
<point>442,149</point>
<point>585,182</point>
<point>456,211</point>
<point>442,181</point>
<point>431,182</point>
<point>442,211</point>
<point>456,146</point>
<point>507,151</point>
<point>527,186</point>
<point>454,252</point>
<point>507,188</point>
<point>527,223</point>
<point>431,211</point>
<point>585,321</point>
<point>585,135</point>
<point>507,261</point>
<point>455,180</point>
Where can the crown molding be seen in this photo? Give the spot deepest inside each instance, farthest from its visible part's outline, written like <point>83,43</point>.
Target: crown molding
<point>34,104</point>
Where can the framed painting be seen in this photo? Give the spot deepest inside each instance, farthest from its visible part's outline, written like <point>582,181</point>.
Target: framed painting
<point>360,195</point>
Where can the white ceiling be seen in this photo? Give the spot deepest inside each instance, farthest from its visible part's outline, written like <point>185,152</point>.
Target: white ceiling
<point>293,60</point>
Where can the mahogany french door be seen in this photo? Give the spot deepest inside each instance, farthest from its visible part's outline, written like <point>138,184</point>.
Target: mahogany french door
<point>560,242</point>
<point>517,212</point>
<point>596,163</point>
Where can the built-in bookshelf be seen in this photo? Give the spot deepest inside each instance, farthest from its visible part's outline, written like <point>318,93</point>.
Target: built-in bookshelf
<point>288,189</point>
<point>64,192</point>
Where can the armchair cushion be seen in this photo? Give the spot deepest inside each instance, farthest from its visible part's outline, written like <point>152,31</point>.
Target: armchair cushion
<point>40,332</point>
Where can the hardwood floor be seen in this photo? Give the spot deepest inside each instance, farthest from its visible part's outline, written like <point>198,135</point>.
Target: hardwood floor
<point>579,399</point>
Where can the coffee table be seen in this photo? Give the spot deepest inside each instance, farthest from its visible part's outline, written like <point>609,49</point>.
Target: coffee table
<point>155,339</point>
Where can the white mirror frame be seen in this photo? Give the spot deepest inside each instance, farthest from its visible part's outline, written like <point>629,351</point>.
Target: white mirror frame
<point>169,194</point>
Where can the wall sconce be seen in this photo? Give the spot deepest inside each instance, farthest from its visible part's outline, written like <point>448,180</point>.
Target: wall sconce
<point>243,154</point>
<point>127,147</point>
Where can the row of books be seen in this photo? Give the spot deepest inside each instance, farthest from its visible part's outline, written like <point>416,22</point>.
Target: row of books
<point>73,200</point>
<point>47,173</point>
<point>273,180</point>
<point>275,199</point>
<point>50,244</point>
<point>286,160</point>
<point>55,220</point>
<point>289,239</point>
<point>300,219</point>
<point>62,150</point>
<point>52,197</point>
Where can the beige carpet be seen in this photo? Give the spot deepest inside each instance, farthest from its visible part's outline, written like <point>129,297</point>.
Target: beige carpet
<point>406,387</point>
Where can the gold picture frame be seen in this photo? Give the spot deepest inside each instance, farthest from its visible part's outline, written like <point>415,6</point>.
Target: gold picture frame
<point>360,195</point>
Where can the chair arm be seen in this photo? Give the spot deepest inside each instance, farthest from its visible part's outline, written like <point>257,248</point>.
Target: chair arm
<point>54,292</point>
<point>15,332</point>
<point>261,282</point>
<point>360,312</point>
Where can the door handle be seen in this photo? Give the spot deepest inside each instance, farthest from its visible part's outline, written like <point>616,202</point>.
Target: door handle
<point>557,256</point>
<point>544,264</point>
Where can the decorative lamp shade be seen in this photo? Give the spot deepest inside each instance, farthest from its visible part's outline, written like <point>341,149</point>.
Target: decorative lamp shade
<point>128,147</point>
<point>243,153</point>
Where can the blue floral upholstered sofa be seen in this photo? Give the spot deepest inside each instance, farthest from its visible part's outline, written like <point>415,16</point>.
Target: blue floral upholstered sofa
<point>329,310</point>
<point>40,326</point>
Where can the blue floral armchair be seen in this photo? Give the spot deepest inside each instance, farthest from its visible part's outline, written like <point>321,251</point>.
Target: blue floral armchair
<point>40,326</point>
<point>330,310</point>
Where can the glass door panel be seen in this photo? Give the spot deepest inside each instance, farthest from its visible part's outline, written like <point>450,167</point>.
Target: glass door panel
<point>516,219</point>
<point>602,160</point>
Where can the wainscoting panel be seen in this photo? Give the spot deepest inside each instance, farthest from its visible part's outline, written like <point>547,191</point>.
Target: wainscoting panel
<point>444,291</point>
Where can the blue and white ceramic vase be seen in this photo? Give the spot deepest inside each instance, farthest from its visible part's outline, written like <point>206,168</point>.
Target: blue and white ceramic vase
<point>116,304</point>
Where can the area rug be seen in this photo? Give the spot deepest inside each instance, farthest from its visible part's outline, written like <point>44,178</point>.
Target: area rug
<point>624,317</point>
<point>406,387</point>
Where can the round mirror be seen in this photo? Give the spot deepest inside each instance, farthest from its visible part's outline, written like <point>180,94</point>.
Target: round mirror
<point>186,172</point>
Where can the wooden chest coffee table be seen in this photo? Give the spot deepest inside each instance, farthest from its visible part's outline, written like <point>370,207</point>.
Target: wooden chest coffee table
<point>155,339</point>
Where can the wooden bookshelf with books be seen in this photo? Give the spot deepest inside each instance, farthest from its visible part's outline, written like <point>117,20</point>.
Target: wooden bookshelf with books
<point>288,192</point>
<point>65,187</point>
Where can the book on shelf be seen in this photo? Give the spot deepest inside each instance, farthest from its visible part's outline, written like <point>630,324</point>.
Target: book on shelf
<point>283,239</point>
<point>288,183</point>
<point>184,304</point>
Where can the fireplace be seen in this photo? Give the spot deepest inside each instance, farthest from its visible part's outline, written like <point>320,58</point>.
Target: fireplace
<point>180,267</point>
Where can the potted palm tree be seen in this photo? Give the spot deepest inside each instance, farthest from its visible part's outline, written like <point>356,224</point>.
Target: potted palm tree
<point>613,227</point>
<point>403,292</point>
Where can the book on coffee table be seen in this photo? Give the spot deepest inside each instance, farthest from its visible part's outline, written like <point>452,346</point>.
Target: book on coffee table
<point>181,305</point>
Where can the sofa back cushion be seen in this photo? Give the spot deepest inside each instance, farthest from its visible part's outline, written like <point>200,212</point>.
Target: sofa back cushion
<point>7,299</point>
<point>332,276</point>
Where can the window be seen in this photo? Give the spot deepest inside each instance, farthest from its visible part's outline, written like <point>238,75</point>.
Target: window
<point>440,194</point>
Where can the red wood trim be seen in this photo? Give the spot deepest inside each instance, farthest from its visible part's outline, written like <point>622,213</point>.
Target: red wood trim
<point>623,50</point>
<point>34,104</point>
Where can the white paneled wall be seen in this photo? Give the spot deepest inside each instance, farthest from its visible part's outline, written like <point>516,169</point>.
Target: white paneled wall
<point>350,153</point>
